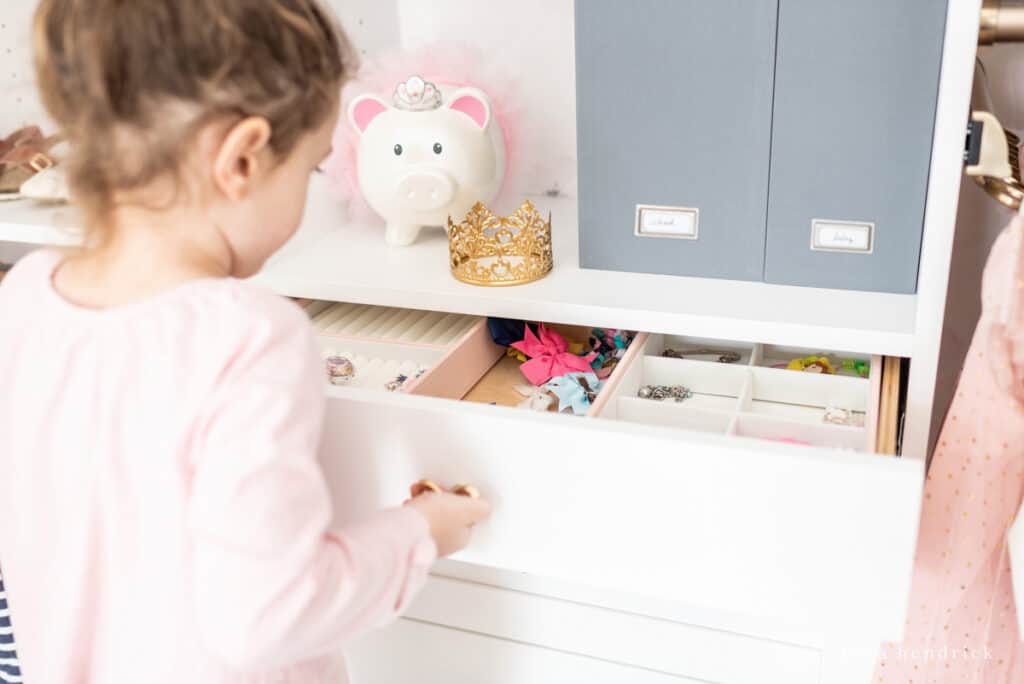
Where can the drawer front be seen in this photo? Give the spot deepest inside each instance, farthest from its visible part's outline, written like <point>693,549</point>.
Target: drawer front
<point>855,101</point>
<point>675,648</point>
<point>412,652</point>
<point>813,537</point>
<point>674,152</point>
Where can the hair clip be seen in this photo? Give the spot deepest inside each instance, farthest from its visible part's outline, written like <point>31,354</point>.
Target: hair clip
<point>399,382</point>
<point>537,398</point>
<point>813,364</point>
<point>724,356</point>
<point>861,368</point>
<point>396,384</point>
<point>340,370</point>
<point>549,356</point>
<point>838,416</point>
<point>576,391</point>
<point>662,392</point>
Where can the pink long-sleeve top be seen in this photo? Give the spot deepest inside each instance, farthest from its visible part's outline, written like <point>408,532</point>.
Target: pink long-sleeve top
<point>163,517</point>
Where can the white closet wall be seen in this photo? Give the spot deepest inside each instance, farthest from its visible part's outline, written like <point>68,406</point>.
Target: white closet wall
<point>372,25</point>
<point>20,104</point>
<point>533,40</point>
<point>540,55</point>
<point>17,87</point>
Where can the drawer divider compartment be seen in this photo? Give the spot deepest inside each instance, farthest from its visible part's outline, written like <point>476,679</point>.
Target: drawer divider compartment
<point>462,367</point>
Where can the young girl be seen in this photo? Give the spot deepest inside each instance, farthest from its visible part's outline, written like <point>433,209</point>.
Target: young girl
<point>162,514</point>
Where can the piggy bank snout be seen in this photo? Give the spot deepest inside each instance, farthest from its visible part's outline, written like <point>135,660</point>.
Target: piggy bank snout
<point>426,189</point>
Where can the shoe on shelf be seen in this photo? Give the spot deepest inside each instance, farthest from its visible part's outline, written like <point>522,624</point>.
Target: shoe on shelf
<point>23,154</point>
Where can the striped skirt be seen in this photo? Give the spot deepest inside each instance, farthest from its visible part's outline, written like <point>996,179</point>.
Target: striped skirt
<point>10,673</point>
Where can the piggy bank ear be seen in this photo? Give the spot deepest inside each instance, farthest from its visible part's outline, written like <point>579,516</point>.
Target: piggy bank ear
<point>364,109</point>
<point>474,104</point>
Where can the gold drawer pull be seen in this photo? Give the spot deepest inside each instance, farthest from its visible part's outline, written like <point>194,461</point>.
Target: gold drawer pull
<point>424,486</point>
<point>467,490</point>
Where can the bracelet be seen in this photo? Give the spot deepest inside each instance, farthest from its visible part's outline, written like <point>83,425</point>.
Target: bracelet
<point>399,382</point>
<point>662,392</point>
<point>837,416</point>
<point>724,356</point>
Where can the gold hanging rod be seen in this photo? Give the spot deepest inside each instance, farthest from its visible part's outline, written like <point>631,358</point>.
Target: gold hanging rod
<point>1002,21</point>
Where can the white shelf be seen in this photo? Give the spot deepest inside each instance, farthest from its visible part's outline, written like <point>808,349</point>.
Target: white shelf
<point>333,261</point>
<point>30,223</point>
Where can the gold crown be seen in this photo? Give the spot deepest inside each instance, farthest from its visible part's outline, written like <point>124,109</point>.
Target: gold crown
<point>495,251</point>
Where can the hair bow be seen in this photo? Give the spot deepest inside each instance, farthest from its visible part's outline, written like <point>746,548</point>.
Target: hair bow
<point>576,391</point>
<point>506,331</point>
<point>537,398</point>
<point>549,356</point>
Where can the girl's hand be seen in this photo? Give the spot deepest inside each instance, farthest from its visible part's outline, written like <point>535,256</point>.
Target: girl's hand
<point>451,518</point>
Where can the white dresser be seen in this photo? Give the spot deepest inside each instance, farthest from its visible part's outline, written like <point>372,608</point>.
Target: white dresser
<point>647,543</point>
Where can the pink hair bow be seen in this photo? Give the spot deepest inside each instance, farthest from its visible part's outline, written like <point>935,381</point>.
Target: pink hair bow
<point>549,356</point>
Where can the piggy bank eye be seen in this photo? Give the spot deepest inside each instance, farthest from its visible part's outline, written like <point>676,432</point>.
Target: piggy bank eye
<point>398,150</point>
<point>438,149</point>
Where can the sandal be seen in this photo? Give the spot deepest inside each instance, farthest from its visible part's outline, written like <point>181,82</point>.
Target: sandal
<point>20,136</point>
<point>47,187</point>
<point>20,164</point>
<point>23,155</point>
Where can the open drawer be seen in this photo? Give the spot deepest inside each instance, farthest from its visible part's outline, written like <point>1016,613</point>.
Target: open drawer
<point>814,537</point>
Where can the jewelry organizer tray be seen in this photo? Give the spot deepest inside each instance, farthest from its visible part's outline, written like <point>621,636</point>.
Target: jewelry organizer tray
<point>753,396</point>
<point>384,343</point>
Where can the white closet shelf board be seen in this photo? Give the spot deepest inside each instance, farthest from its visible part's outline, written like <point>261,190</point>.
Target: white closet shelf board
<point>29,223</point>
<point>335,261</point>
<point>352,263</point>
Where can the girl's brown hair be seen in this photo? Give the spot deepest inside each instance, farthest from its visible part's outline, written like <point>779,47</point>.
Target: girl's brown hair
<point>129,82</point>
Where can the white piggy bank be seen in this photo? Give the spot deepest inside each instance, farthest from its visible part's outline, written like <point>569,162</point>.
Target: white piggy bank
<point>429,155</point>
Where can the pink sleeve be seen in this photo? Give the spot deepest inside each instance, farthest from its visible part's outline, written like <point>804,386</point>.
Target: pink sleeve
<point>273,585</point>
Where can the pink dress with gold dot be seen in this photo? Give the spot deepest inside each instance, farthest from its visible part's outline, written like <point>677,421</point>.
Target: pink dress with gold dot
<point>962,620</point>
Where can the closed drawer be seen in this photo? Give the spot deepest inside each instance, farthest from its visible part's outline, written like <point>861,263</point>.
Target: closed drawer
<point>687,507</point>
<point>412,652</point>
<point>670,647</point>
